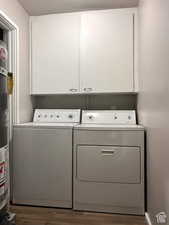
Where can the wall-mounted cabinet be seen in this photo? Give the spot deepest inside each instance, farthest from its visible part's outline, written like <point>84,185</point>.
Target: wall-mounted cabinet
<point>106,62</point>
<point>55,53</point>
<point>87,52</point>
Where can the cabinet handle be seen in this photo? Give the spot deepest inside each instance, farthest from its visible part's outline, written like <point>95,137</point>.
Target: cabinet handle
<point>73,90</point>
<point>88,89</point>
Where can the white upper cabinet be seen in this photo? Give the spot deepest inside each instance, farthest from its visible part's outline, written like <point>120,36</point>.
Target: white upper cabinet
<point>84,52</point>
<point>55,53</point>
<point>106,51</point>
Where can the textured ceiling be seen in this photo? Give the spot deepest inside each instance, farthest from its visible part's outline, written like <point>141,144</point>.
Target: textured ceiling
<point>40,7</point>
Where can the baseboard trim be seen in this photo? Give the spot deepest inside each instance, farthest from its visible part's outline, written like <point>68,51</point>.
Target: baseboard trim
<point>148,220</point>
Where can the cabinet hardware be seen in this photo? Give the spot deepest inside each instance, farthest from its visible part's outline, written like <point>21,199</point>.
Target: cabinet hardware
<point>88,89</point>
<point>73,90</point>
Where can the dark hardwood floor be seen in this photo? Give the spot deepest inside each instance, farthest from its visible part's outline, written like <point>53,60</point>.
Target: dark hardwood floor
<point>51,216</point>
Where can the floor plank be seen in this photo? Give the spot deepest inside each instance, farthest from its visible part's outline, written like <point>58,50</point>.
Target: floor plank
<point>50,216</point>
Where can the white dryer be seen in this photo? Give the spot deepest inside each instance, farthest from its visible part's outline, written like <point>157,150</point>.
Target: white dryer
<point>42,158</point>
<point>109,163</point>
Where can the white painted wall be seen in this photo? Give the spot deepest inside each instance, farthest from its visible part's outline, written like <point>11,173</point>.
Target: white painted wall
<point>153,101</point>
<point>19,16</point>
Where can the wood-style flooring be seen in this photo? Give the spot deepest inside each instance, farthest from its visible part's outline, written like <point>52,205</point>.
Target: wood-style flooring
<point>51,216</point>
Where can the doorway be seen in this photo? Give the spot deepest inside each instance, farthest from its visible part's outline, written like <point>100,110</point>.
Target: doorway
<point>9,35</point>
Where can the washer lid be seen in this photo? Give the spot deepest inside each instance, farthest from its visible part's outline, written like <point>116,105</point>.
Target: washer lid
<point>45,125</point>
<point>109,117</point>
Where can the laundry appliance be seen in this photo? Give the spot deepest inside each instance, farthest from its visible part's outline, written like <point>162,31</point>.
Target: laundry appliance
<point>109,163</point>
<point>42,158</point>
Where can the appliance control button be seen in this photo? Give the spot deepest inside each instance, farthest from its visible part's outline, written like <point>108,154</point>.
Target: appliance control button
<point>129,117</point>
<point>115,117</point>
<point>90,117</point>
<point>45,115</point>
<point>57,116</point>
<point>70,116</point>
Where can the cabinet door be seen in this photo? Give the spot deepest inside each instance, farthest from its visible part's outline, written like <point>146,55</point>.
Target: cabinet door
<point>107,51</point>
<point>55,53</point>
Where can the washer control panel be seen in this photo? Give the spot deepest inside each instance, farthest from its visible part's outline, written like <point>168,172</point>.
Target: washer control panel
<point>109,117</point>
<point>57,116</point>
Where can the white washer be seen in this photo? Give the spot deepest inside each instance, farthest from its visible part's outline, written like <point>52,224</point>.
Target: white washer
<point>42,158</point>
<point>109,163</point>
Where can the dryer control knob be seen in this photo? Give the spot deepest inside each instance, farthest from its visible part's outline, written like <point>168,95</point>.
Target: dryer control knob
<point>129,117</point>
<point>91,117</point>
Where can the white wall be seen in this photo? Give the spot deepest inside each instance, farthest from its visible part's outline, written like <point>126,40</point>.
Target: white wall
<point>153,101</point>
<point>20,17</point>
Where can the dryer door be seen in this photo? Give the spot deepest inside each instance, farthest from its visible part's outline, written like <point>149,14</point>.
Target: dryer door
<point>108,164</point>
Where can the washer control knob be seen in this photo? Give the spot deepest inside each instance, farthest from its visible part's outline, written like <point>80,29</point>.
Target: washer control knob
<point>129,117</point>
<point>39,116</point>
<point>57,116</point>
<point>70,116</point>
<point>115,117</point>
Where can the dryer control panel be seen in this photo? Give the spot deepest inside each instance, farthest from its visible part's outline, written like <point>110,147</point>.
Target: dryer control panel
<point>123,117</point>
<point>57,116</point>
